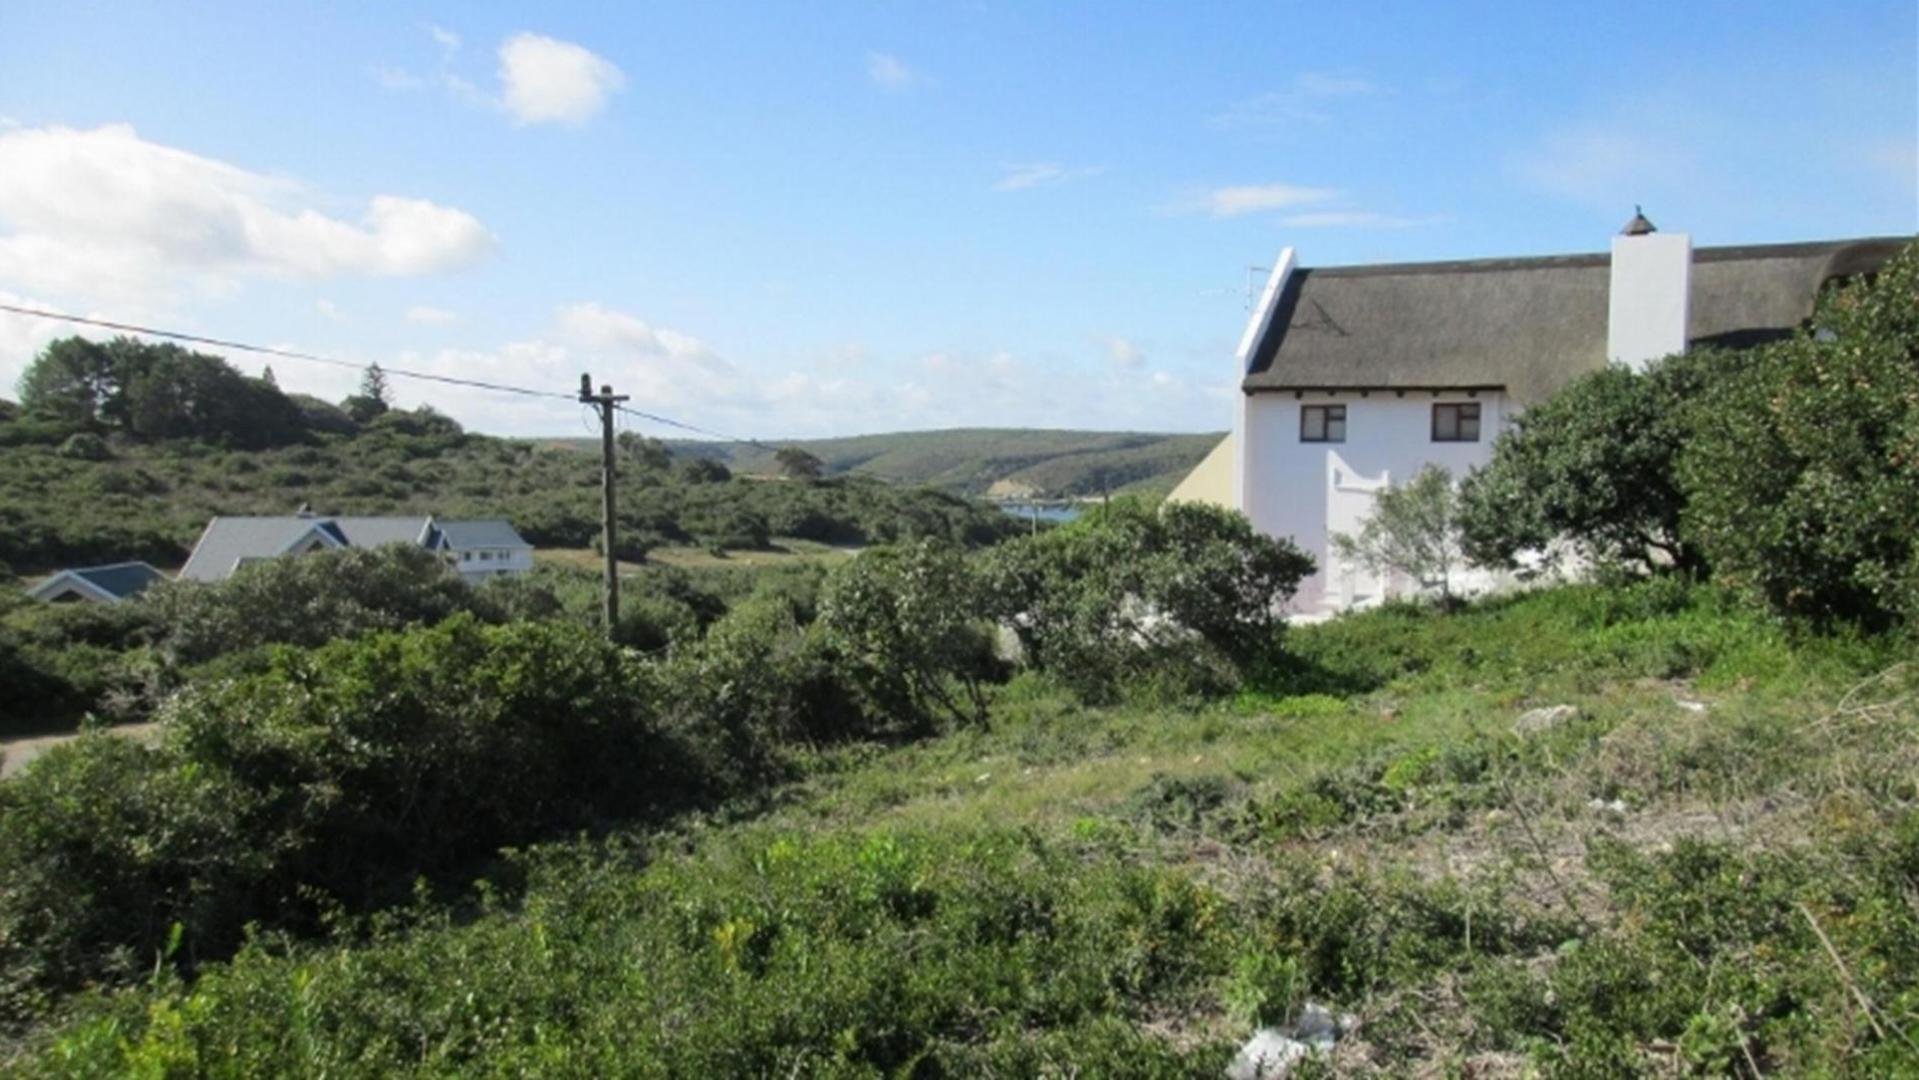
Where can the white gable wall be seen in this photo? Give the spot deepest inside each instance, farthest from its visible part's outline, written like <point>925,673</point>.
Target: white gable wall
<point>1309,490</point>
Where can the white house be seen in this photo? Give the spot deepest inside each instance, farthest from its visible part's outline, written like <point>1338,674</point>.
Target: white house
<point>477,549</point>
<point>96,584</point>
<point>1354,377</point>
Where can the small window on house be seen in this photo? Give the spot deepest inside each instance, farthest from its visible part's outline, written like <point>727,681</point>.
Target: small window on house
<point>1456,421</point>
<point>1322,423</point>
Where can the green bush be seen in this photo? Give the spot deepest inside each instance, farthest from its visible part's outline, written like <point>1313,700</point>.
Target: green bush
<point>1802,476</point>
<point>307,601</point>
<point>908,625</point>
<point>1595,465</point>
<point>331,777</point>
<point>1183,592</point>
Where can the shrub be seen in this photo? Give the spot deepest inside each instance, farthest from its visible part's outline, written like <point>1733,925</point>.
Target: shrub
<point>330,777</point>
<point>1413,530</point>
<point>85,446</point>
<point>1187,590</point>
<point>1802,476</point>
<point>1595,465</point>
<point>306,600</point>
<point>908,623</point>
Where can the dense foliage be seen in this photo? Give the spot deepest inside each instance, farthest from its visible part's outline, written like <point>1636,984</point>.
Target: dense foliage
<point>1788,470</point>
<point>1594,465</point>
<point>1187,593</point>
<point>1638,889</point>
<point>85,480</point>
<point>155,391</point>
<point>1802,477</point>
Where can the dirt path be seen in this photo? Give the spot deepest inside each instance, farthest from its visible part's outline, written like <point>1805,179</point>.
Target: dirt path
<point>18,752</point>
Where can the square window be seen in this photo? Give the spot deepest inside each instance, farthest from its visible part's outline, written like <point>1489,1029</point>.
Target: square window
<point>1456,421</point>
<point>1322,423</point>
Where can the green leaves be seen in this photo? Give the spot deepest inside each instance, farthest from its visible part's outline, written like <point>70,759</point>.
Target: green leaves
<point>1802,472</point>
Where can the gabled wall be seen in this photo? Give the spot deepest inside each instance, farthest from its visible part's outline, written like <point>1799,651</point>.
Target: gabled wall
<point>1309,490</point>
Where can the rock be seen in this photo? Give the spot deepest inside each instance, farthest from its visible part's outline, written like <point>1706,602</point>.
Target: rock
<point>1272,1052</point>
<point>1534,721</point>
<point>1690,706</point>
<point>1268,1055</point>
<point>1615,807</point>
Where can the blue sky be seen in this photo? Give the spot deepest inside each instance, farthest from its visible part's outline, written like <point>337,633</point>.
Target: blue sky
<point>785,220</point>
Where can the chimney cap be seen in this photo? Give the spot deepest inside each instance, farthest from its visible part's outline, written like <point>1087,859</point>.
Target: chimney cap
<point>1640,225</point>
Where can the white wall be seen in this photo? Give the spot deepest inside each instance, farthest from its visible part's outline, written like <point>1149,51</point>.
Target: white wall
<point>1308,490</point>
<point>504,561</point>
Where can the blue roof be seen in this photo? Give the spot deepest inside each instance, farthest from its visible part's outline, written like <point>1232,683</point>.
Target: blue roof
<point>488,533</point>
<point>118,580</point>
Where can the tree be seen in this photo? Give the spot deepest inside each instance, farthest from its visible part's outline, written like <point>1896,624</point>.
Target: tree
<point>156,391</point>
<point>909,621</point>
<point>650,455</point>
<point>372,399</point>
<point>1413,530</point>
<point>72,380</point>
<point>797,464</point>
<point>1595,464</point>
<point>703,470</point>
<point>1802,472</point>
<point>1130,590</point>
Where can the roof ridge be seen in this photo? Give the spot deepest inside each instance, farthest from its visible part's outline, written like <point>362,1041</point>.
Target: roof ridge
<point>1718,253</point>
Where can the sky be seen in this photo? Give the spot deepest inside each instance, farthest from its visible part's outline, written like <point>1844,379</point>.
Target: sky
<point>785,220</point>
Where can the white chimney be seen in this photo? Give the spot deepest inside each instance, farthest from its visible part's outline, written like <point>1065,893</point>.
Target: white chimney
<point>1651,294</point>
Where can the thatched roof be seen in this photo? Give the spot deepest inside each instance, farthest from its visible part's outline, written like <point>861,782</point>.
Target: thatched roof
<point>1527,325</point>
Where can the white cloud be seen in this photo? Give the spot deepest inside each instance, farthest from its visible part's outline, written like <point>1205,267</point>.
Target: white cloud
<point>889,72</point>
<point>652,363</point>
<point>1245,199</point>
<point>1308,100</point>
<point>420,313</point>
<point>1123,353</point>
<point>104,213</point>
<point>544,80</point>
<point>329,309</point>
<point>1024,177</point>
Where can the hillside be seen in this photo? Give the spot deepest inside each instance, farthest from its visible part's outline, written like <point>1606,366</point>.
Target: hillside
<point>973,461</point>
<point>126,498</point>
<point>1590,832</point>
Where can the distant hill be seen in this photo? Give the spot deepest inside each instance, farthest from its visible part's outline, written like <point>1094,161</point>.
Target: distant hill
<point>990,461</point>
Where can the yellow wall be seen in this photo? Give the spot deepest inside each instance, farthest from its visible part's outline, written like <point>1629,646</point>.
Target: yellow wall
<point>1211,481</point>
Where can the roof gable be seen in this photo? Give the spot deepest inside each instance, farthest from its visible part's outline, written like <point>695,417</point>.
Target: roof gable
<point>114,581</point>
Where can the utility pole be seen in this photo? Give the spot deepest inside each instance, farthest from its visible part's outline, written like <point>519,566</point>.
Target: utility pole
<point>606,400</point>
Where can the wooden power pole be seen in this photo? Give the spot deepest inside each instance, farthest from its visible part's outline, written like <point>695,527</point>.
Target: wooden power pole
<point>606,401</point>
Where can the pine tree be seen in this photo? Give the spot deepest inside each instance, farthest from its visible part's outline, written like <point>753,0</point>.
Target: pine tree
<point>267,377</point>
<point>373,387</point>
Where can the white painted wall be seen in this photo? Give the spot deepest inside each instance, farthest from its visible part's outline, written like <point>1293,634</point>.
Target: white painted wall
<point>503,561</point>
<point>1309,490</point>
<point>1649,299</point>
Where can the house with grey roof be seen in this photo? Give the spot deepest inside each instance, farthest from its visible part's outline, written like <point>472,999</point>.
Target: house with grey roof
<point>478,549</point>
<point>108,584</point>
<point>1352,378</point>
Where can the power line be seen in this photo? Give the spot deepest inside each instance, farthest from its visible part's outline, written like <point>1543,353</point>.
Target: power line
<point>291,354</point>
<point>452,380</point>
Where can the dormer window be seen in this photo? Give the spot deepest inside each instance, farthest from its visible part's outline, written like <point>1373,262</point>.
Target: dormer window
<point>1456,421</point>
<point>1322,423</point>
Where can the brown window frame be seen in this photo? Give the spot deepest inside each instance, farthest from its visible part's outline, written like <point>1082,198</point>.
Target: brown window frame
<point>1462,412</point>
<point>1329,415</point>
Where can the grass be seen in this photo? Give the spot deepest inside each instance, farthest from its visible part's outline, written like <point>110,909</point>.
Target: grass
<point>1710,867</point>
<point>784,551</point>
